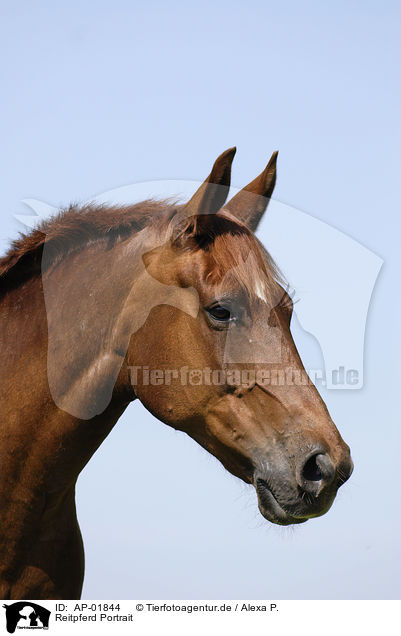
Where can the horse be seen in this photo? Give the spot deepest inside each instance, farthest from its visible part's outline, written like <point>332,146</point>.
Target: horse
<point>177,305</point>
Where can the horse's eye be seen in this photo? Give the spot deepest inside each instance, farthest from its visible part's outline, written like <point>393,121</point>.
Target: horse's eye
<point>218,312</point>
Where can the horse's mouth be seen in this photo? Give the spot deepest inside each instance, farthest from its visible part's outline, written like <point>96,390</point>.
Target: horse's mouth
<point>271,509</point>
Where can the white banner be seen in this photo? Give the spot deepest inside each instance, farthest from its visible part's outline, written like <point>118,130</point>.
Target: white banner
<point>201,617</point>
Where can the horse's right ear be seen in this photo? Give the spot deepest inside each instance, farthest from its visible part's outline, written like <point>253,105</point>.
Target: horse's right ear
<point>250,203</point>
<point>212,194</point>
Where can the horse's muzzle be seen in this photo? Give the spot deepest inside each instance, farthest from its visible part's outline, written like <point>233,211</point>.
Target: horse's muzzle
<point>288,496</point>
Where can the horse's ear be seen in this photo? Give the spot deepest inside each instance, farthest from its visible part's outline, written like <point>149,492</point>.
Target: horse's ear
<point>250,203</point>
<point>212,194</point>
<point>192,219</point>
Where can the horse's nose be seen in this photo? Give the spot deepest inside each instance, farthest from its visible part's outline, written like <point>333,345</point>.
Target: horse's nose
<point>316,472</point>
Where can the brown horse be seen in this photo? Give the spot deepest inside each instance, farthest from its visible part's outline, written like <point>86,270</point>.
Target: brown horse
<point>178,306</point>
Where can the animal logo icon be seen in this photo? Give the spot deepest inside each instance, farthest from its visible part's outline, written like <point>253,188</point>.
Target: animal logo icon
<point>26,615</point>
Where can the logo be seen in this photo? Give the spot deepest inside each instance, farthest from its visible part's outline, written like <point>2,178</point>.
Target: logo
<point>26,615</point>
<point>334,275</point>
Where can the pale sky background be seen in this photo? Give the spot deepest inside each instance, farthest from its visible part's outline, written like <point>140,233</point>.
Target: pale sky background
<point>98,95</point>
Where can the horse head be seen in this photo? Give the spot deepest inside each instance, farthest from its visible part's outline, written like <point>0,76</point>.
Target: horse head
<point>221,363</point>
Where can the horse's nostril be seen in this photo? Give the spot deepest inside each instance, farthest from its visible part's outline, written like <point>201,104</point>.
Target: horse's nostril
<point>318,469</point>
<point>311,471</point>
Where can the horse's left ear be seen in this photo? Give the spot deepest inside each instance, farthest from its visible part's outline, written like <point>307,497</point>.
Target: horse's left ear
<point>192,218</point>
<point>250,203</point>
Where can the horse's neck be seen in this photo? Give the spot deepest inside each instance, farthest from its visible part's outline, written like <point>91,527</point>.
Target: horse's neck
<point>42,450</point>
<point>54,330</point>
<point>63,385</point>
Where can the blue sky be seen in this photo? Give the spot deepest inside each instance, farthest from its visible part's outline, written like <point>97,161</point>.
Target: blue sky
<point>100,95</point>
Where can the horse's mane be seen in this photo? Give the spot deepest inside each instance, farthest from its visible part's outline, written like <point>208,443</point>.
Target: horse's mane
<point>72,228</point>
<point>230,242</point>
